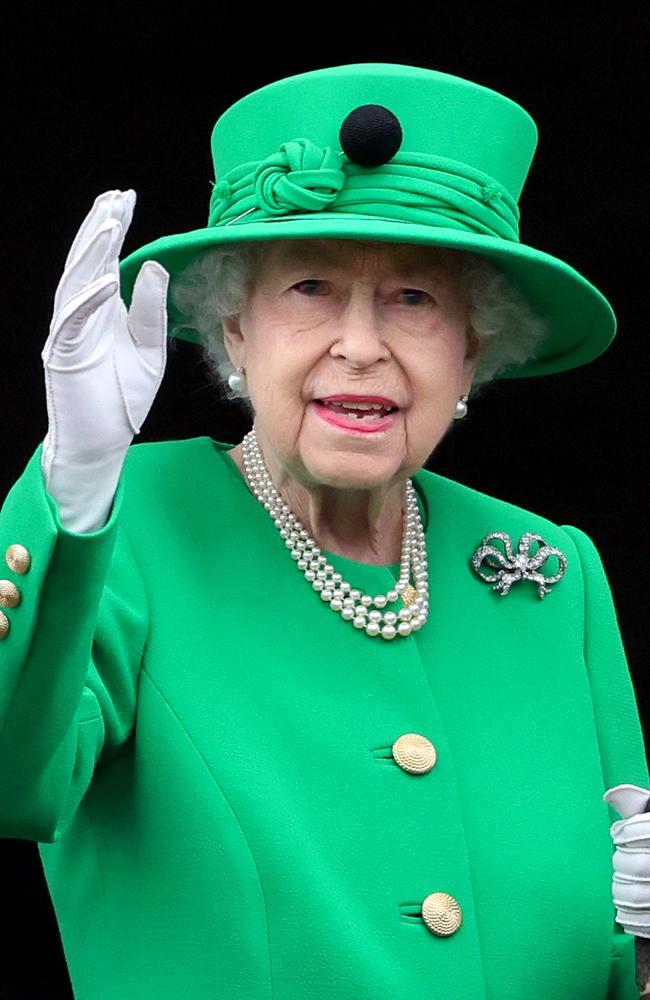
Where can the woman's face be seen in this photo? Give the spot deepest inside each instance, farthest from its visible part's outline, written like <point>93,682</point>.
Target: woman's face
<point>346,318</point>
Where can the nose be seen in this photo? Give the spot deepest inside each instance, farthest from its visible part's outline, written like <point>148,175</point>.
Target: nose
<point>360,338</point>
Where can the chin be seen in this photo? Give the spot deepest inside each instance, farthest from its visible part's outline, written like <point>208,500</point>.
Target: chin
<point>352,470</point>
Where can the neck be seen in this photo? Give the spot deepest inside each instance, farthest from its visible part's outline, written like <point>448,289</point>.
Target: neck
<point>364,525</point>
<point>360,524</point>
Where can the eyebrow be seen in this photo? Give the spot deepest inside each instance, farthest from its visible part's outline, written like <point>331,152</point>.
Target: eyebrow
<point>324,253</point>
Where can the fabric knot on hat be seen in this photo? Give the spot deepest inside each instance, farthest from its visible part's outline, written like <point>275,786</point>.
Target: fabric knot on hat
<point>222,194</point>
<point>223,191</point>
<point>301,175</point>
<point>489,193</point>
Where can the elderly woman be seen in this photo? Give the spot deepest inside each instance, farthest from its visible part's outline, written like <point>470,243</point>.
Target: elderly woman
<point>300,719</point>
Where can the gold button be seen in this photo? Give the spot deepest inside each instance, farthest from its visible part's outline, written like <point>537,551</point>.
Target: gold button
<point>414,753</point>
<point>4,625</point>
<point>9,594</point>
<point>18,558</point>
<point>442,914</point>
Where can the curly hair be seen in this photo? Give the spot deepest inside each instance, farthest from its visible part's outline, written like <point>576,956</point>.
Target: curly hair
<point>217,281</point>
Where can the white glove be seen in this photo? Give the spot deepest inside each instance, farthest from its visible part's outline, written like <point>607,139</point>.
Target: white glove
<point>631,835</point>
<point>103,366</point>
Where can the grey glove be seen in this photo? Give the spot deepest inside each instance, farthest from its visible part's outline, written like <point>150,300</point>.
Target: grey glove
<point>103,366</point>
<point>631,836</point>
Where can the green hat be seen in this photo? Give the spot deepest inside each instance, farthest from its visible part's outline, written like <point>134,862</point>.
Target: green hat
<point>388,152</point>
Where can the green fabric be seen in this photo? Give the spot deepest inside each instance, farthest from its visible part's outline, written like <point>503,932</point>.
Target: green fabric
<point>280,173</point>
<point>430,189</point>
<point>202,750</point>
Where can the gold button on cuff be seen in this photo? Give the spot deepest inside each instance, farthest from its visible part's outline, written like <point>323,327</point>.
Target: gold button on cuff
<point>4,625</point>
<point>414,753</point>
<point>18,558</point>
<point>442,914</point>
<point>9,594</point>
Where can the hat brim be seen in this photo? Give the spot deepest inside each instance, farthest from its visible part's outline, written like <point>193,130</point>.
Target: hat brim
<point>581,321</point>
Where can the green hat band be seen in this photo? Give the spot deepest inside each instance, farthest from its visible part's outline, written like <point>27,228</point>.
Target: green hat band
<point>412,187</point>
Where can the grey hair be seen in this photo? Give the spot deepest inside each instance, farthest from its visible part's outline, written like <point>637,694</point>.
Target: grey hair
<point>217,281</point>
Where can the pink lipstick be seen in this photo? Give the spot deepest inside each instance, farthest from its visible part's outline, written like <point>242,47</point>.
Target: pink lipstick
<point>360,414</point>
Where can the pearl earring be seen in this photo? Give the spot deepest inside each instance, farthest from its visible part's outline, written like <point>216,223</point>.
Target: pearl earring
<point>461,408</point>
<point>237,380</point>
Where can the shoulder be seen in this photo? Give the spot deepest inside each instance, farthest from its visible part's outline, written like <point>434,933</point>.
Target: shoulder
<point>147,456</point>
<point>151,464</point>
<point>176,479</point>
<point>472,515</point>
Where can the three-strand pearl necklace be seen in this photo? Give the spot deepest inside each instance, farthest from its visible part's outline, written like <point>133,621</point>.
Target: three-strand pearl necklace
<point>363,611</point>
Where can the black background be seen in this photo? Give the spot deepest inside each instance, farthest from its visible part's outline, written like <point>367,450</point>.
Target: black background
<point>118,97</point>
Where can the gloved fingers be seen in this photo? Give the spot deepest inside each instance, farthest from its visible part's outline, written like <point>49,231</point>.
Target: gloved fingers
<point>632,901</point>
<point>89,263</point>
<point>141,343</point>
<point>631,889</point>
<point>124,217</point>
<point>148,312</point>
<point>69,329</point>
<point>633,924</point>
<point>112,206</point>
<point>633,831</point>
<point>109,205</point>
<point>627,799</point>
<point>629,863</point>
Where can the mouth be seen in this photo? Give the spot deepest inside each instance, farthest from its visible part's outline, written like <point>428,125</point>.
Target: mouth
<point>358,413</point>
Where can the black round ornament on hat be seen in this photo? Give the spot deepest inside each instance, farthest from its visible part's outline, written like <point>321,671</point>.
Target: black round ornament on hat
<point>370,135</point>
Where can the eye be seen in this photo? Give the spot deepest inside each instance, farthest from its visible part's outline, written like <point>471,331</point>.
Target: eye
<point>308,282</point>
<point>417,291</point>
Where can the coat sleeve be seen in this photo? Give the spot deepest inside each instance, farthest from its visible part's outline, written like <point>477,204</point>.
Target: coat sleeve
<point>619,729</point>
<point>73,628</point>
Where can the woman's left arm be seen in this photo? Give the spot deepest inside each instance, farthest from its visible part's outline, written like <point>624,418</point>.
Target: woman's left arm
<point>620,737</point>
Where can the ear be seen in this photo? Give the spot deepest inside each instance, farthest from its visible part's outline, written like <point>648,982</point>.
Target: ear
<point>474,344</point>
<point>472,353</point>
<point>233,339</point>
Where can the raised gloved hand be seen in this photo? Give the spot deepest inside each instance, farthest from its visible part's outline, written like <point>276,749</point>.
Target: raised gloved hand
<point>631,836</point>
<point>103,366</point>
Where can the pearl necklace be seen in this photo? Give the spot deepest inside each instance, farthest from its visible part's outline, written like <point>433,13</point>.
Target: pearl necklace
<point>362,610</point>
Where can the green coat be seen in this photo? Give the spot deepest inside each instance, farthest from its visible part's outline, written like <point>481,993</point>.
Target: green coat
<point>203,751</point>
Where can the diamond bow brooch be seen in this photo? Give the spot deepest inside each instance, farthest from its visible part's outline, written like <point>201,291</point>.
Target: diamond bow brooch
<point>521,565</point>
